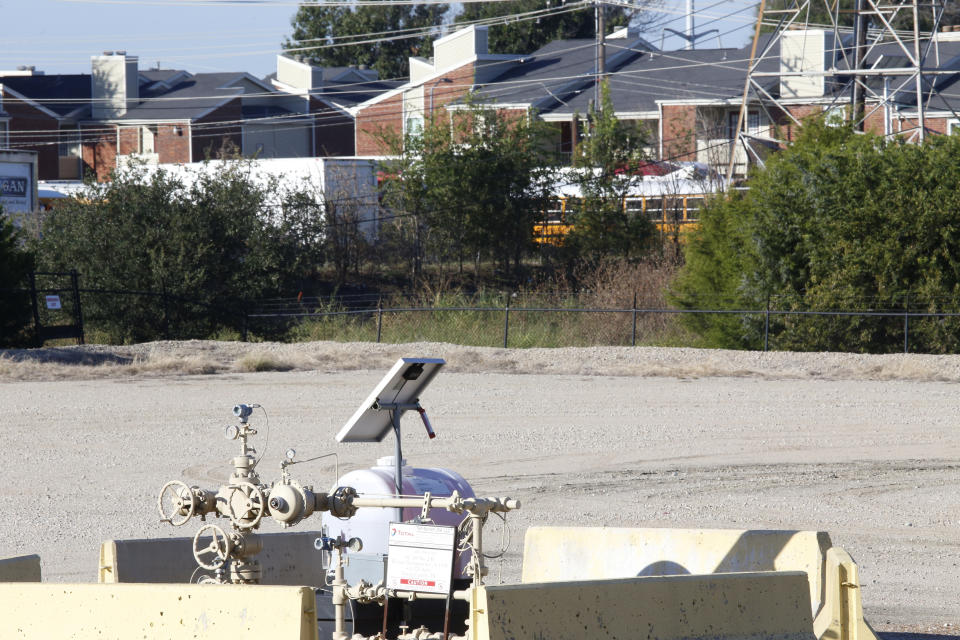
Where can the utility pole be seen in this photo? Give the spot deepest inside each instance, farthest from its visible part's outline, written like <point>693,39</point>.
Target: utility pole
<point>857,97</point>
<point>601,54</point>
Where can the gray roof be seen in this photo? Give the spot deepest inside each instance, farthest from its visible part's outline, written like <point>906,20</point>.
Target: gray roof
<point>189,98</point>
<point>62,94</point>
<point>555,72</point>
<point>701,74</point>
<point>348,94</point>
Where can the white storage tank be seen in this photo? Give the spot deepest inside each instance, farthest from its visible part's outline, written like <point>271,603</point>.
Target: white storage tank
<point>371,525</point>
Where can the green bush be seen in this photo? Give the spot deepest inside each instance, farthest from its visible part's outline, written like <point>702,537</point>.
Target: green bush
<point>838,221</point>
<point>16,263</point>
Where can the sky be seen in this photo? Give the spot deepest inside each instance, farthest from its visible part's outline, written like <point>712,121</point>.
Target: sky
<point>59,36</point>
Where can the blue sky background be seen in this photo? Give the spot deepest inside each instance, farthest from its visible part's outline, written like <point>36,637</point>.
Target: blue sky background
<point>59,36</point>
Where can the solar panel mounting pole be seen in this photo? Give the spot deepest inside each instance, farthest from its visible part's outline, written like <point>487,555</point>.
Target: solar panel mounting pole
<point>396,412</point>
<point>397,459</point>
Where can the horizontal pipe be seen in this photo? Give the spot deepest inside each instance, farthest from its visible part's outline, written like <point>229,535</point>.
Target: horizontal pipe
<point>466,504</point>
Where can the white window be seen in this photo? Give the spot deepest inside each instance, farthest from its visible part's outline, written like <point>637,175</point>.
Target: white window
<point>953,126</point>
<point>755,124</point>
<point>69,143</point>
<point>413,127</point>
<point>4,142</point>
<point>835,116</point>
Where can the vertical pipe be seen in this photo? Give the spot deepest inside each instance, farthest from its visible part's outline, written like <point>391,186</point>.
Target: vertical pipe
<point>339,596</point>
<point>477,543</point>
<point>397,460</point>
<point>446,612</point>
<point>689,26</point>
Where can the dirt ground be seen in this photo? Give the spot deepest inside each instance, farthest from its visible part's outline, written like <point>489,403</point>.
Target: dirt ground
<point>864,447</point>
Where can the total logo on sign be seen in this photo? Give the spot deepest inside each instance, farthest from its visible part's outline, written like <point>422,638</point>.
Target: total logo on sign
<point>421,557</point>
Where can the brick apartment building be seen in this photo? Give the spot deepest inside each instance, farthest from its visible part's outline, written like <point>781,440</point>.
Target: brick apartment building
<point>82,124</point>
<point>688,101</point>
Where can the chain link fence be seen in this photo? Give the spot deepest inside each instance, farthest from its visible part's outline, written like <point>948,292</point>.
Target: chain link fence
<point>523,320</point>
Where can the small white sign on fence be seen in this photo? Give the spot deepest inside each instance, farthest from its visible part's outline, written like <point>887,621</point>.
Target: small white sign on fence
<point>53,302</point>
<point>420,557</point>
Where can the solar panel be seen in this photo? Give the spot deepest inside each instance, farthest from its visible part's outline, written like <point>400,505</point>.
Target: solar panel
<point>402,385</point>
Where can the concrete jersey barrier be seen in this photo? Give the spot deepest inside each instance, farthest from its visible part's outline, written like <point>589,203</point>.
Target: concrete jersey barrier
<point>157,612</point>
<point>557,554</point>
<point>287,559</point>
<point>734,606</point>
<point>20,569</point>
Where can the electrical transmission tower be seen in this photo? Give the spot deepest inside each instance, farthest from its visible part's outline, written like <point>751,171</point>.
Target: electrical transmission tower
<point>871,61</point>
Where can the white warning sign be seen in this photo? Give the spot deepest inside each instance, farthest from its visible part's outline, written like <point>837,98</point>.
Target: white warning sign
<point>420,557</point>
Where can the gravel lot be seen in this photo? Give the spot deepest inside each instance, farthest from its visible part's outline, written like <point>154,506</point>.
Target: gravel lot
<point>864,447</point>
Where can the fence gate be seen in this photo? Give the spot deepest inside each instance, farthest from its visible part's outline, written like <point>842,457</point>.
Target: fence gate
<point>56,305</point>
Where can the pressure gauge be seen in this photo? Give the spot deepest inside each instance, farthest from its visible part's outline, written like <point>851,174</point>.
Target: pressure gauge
<point>232,432</point>
<point>290,454</point>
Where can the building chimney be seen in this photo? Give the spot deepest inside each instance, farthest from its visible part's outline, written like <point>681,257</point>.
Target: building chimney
<point>803,53</point>
<point>115,84</point>
<point>299,74</point>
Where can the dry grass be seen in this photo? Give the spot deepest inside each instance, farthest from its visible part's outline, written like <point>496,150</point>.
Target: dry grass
<point>254,362</point>
<point>172,359</point>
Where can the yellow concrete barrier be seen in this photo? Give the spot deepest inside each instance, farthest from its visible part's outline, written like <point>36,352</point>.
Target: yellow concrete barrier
<point>554,554</point>
<point>286,559</point>
<point>734,606</point>
<point>20,569</point>
<point>156,612</point>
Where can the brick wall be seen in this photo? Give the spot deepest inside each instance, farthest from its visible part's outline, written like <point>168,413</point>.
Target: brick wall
<point>679,132</point>
<point>788,128</point>
<point>382,118</point>
<point>99,150</point>
<point>33,130</point>
<point>386,117</point>
<point>173,142</point>
<point>128,139</point>
<point>209,139</point>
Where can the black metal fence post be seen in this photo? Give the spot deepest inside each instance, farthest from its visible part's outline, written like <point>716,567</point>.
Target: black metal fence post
<point>379,318</point>
<point>633,333</point>
<point>506,324</point>
<point>766,326</point>
<point>166,311</point>
<point>36,310</point>
<point>906,325</point>
<point>77,311</point>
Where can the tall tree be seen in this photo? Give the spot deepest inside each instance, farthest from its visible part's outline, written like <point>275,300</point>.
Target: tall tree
<point>526,36</point>
<point>320,35</point>
<point>476,182</point>
<point>604,170</point>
